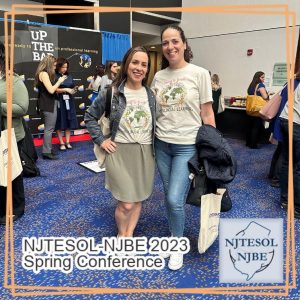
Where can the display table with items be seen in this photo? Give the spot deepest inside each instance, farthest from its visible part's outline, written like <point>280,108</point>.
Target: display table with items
<point>233,121</point>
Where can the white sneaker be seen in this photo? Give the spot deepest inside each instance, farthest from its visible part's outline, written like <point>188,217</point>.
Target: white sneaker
<point>176,261</point>
<point>164,254</point>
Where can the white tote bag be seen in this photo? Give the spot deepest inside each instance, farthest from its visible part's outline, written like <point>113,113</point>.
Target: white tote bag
<point>16,165</point>
<point>98,151</point>
<point>104,123</point>
<point>221,106</point>
<point>209,219</point>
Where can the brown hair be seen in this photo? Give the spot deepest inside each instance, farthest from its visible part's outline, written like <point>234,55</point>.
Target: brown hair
<point>255,81</point>
<point>108,69</point>
<point>45,65</point>
<point>188,54</point>
<point>122,74</point>
<point>298,74</point>
<point>215,79</point>
<point>60,62</point>
<point>99,71</point>
<point>2,59</point>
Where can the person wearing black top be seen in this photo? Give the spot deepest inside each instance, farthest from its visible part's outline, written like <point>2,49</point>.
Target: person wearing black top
<point>44,81</point>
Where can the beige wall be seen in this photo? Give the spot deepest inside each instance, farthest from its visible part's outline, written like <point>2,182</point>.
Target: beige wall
<point>220,42</point>
<point>205,24</point>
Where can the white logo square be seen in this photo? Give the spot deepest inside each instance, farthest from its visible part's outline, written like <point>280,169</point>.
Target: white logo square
<point>251,250</point>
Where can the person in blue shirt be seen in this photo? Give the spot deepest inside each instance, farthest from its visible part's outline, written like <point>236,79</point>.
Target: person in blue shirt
<point>254,127</point>
<point>284,130</point>
<point>66,110</point>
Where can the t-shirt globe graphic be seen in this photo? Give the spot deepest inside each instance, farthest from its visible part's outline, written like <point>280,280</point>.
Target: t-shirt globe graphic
<point>136,118</point>
<point>173,94</point>
<point>136,122</point>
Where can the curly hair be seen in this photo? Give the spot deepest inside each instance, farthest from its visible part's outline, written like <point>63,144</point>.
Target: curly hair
<point>188,54</point>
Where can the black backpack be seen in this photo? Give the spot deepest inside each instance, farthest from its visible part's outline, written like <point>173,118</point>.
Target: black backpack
<point>30,169</point>
<point>28,155</point>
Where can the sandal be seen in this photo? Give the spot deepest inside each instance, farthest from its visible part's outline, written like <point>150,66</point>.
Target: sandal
<point>62,147</point>
<point>69,146</point>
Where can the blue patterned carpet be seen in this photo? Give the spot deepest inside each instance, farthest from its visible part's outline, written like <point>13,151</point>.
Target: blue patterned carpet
<point>69,200</point>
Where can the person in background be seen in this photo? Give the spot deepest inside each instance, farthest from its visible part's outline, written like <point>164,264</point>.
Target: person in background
<point>20,102</point>
<point>275,167</point>
<point>255,125</point>
<point>66,112</point>
<point>276,162</point>
<point>216,92</point>
<point>117,70</point>
<point>284,107</point>
<point>184,102</point>
<point>129,162</point>
<point>276,138</point>
<point>111,71</point>
<point>95,84</point>
<point>47,103</point>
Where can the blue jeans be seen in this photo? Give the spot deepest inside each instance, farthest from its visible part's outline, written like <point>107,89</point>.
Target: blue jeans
<point>296,163</point>
<point>172,162</point>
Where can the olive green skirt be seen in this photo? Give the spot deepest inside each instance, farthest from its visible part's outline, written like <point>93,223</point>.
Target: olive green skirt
<point>130,172</point>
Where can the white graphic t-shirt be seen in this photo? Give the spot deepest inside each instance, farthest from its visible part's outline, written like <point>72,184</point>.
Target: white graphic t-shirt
<point>179,94</point>
<point>96,83</point>
<point>136,122</point>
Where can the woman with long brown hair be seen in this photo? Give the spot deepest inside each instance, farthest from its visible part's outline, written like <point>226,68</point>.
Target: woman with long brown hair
<point>255,126</point>
<point>111,71</point>
<point>47,103</point>
<point>95,84</point>
<point>129,148</point>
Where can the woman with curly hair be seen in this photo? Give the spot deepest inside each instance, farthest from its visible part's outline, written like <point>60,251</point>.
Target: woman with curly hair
<point>184,102</point>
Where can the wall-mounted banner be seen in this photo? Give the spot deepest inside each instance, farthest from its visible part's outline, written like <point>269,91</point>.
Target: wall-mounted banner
<point>44,41</point>
<point>81,48</point>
